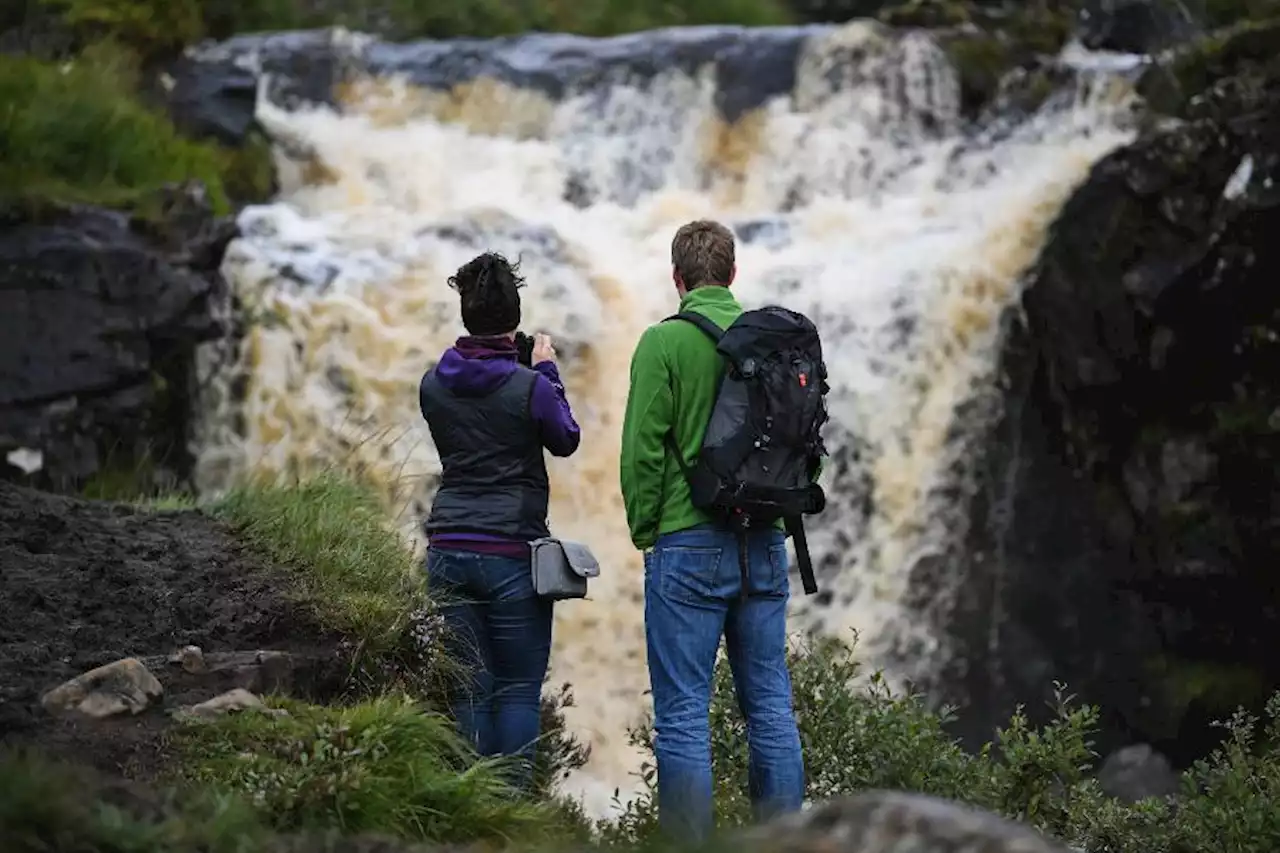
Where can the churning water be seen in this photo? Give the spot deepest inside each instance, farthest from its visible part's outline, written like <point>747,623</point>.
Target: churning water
<point>859,198</point>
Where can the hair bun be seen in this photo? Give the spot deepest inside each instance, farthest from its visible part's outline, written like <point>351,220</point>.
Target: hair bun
<point>490,289</point>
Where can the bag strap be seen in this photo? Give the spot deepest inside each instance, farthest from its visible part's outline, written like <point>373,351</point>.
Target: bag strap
<point>715,333</point>
<point>795,526</point>
<point>710,329</point>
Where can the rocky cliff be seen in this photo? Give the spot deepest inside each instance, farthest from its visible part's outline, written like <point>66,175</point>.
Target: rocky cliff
<point>103,311</point>
<point>1130,520</point>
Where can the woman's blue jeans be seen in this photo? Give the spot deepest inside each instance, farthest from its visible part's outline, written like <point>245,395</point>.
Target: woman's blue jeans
<point>499,630</point>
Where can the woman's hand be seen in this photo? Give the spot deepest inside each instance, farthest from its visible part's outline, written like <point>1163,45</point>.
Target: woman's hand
<point>543,350</point>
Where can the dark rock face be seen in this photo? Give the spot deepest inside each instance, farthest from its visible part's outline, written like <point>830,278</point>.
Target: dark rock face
<point>1136,26</point>
<point>211,89</point>
<point>1127,536</point>
<point>102,315</point>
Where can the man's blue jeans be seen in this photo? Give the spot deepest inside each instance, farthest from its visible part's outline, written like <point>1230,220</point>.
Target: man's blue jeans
<point>692,586</point>
<point>499,630</point>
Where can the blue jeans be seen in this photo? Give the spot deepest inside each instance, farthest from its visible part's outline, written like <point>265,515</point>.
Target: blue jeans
<point>499,630</point>
<point>691,597</point>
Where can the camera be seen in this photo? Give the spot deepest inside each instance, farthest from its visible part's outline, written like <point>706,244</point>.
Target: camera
<point>524,349</point>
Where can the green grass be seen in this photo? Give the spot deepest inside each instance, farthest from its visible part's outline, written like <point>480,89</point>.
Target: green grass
<point>52,808</point>
<point>76,132</point>
<point>385,765</point>
<point>346,563</point>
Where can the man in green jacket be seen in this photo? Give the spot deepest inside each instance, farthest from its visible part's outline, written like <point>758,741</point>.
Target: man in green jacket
<point>693,581</point>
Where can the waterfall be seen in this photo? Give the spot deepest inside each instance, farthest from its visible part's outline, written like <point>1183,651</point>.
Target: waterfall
<point>859,193</point>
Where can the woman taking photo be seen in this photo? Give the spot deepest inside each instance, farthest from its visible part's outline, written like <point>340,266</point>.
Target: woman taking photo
<point>491,417</point>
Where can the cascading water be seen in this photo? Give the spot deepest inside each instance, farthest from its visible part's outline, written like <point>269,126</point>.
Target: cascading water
<point>859,198</point>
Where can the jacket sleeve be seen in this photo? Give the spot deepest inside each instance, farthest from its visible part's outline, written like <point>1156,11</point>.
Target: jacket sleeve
<point>549,406</point>
<point>648,418</point>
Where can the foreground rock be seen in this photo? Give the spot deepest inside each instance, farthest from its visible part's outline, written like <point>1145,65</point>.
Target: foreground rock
<point>102,314</point>
<point>125,686</point>
<point>1137,773</point>
<point>896,822</point>
<point>233,701</point>
<point>1128,536</point>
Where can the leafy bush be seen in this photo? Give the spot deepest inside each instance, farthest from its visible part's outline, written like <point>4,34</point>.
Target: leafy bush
<point>75,132</point>
<point>151,27</point>
<point>860,738</point>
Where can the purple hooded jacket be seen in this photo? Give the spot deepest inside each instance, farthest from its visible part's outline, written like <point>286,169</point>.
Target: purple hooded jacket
<point>474,367</point>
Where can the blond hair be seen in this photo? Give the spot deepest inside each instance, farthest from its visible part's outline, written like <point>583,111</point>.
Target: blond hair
<point>702,252</point>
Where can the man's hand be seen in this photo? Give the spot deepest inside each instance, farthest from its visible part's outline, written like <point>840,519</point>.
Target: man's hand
<point>543,350</point>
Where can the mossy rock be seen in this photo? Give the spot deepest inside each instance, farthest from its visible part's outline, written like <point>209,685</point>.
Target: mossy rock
<point>931,14</point>
<point>981,61</point>
<point>1175,84</point>
<point>1205,687</point>
<point>248,171</point>
<point>985,43</point>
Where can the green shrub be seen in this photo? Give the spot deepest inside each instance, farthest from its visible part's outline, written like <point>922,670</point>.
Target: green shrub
<point>75,132</point>
<point>861,738</point>
<point>383,766</point>
<point>152,28</point>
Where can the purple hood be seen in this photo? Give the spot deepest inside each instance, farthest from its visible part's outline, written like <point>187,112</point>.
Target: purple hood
<point>474,367</point>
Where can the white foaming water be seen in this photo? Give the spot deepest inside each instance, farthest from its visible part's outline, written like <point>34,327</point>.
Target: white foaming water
<point>859,202</point>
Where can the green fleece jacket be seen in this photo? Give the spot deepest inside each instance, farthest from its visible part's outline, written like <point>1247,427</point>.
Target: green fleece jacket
<point>675,374</point>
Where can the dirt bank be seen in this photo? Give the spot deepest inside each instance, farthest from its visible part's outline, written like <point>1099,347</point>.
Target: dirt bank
<point>85,583</point>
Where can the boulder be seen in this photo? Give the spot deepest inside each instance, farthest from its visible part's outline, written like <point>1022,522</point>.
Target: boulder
<point>896,822</point>
<point>1137,773</point>
<point>125,686</point>
<point>103,312</point>
<point>1126,537</point>
<point>233,701</point>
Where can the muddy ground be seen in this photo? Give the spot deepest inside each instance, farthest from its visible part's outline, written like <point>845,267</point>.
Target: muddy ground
<point>85,583</point>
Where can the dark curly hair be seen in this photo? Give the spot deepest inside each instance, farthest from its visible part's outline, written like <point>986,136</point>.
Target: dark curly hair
<point>489,286</point>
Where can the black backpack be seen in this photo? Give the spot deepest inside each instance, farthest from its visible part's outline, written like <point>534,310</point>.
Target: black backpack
<point>762,447</point>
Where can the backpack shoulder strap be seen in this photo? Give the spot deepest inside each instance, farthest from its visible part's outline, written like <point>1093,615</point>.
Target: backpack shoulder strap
<point>715,333</point>
<point>708,328</point>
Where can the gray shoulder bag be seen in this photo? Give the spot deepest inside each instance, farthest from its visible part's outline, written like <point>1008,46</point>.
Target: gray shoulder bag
<point>561,568</point>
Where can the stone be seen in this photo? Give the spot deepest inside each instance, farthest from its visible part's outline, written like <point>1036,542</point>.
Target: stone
<point>191,659</point>
<point>896,822</point>
<point>103,312</point>
<point>260,671</point>
<point>1136,773</point>
<point>232,701</point>
<point>125,686</point>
